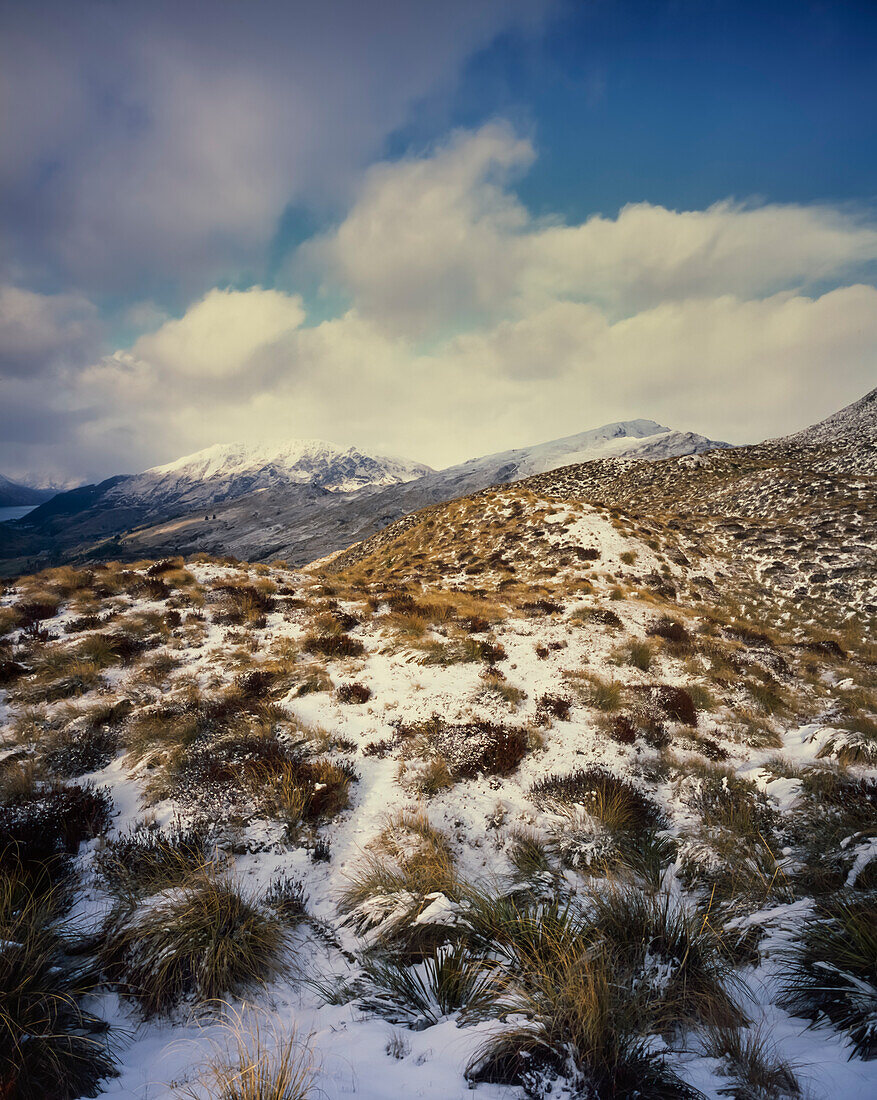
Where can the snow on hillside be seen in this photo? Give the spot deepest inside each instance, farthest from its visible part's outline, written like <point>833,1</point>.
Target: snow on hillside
<point>856,423</point>
<point>641,439</point>
<point>517,701</point>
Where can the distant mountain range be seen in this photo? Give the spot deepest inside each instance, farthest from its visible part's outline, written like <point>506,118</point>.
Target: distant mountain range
<point>297,500</point>
<point>227,471</point>
<point>15,495</point>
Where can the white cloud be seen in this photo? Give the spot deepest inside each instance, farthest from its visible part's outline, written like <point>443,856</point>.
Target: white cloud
<point>474,327</point>
<point>221,335</point>
<point>437,238</point>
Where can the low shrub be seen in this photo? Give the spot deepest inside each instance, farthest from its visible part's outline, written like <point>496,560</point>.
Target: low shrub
<point>51,820</point>
<point>674,702</point>
<point>671,630</point>
<point>478,748</point>
<point>145,861</point>
<point>553,706</point>
<point>353,693</point>
<point>286,896</point>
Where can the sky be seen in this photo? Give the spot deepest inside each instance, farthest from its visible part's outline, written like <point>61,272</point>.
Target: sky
<point>433,230</point>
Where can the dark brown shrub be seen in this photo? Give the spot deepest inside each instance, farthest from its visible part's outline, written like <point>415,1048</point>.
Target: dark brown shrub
<point>554,706</point>
<point>35,611</point>
<point>542,607</point>
<point>748,636</point>
<point>379,748</point>
<point>354,693</point>
<point>490,654</point>
<point>53,820</point>
<point>84,622</point>
<point>255,684</point>
<point>675,702</point>
<point>670,630</point>
<point>601,615</point>
<point>478,747</point>
<point>164,565</point>
<point>624,731</point>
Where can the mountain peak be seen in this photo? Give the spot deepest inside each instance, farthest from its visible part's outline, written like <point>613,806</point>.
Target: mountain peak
<point>225,471</point>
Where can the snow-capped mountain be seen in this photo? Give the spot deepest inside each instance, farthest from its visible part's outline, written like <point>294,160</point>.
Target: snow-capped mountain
<point>304,498</point>
<point>227,471</point>
<point>636,439</point>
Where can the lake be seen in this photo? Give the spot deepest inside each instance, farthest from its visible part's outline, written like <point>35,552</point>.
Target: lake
<point>7,514</point>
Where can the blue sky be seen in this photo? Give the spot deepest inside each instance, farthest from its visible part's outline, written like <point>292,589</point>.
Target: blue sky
<point>434,229</point>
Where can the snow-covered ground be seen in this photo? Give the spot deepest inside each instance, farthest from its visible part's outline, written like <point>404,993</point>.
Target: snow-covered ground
<point>587,568</point>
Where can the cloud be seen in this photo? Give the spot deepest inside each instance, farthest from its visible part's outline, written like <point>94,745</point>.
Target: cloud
<point>471,326</point>
<point>39,332</point>
<point>153,139</point>
<point>220,335</point>
<point>434,239</point>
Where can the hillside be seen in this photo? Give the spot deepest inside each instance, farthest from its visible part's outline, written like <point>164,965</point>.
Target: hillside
<point>13,494</point>
<point>532,794</point>
<point>256,514</point>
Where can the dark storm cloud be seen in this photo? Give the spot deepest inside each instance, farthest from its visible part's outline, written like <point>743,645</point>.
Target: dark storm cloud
<point>153,143</point>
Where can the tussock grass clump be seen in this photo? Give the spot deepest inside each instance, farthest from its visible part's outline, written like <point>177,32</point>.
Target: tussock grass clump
<point>241,604</point>
<point>637,653</point>
<point>200,941</point>
<point>60,674</point>
<point>580,1025</point>
<point>390,890</point>
<point>450,980</point>
<point>50,1045</point>
<point>333,645</point>
<point>669,943</point>
<point>734,848</point>
<point>857,745</point>
<point>611,798</point>
<point>253,1060</point>
<point>593,691</point>
<point>751,1059</point>
<point>832,974</point>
